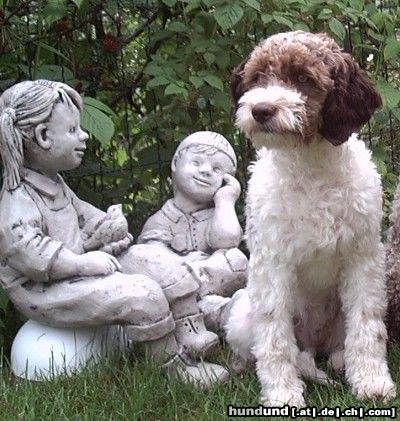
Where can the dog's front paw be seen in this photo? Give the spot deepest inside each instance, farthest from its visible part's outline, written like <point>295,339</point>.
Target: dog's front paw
<point>379,387</point>
<point>282,397</point>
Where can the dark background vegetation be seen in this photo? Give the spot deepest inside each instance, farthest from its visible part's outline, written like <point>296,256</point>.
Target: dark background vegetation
<point>153,71</point>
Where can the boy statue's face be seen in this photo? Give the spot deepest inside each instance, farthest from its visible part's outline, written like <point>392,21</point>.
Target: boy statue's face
<point>199,176</point>
<point>62,138</point>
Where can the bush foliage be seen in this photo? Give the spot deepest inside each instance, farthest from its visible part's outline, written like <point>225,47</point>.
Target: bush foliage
<point>153,71</point>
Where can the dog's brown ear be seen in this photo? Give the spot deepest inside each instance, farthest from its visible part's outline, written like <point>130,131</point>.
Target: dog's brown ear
<point>350,104</point>
<point>237,86</point>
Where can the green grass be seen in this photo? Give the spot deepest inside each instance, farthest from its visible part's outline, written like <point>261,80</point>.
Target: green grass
<point>129,388</point>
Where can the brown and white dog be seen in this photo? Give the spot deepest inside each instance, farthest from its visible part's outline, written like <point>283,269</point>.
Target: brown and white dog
<point>314,207</point>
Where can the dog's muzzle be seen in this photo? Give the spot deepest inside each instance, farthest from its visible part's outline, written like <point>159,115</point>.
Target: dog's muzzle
<point>262,112</point>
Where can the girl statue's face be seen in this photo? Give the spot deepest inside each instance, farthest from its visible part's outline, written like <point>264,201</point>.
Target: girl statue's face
<point>63,139</point>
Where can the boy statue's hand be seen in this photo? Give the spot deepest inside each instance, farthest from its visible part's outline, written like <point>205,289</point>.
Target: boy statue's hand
<point>229,191</point>
<point>97,263</point>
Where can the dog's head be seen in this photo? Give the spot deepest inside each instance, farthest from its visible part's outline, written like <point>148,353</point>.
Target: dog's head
<point>303,84</point>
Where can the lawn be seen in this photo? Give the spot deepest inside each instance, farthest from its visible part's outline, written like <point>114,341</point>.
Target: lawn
<point>130,388</point>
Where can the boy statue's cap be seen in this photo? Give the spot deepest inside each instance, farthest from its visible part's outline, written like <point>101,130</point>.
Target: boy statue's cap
<point>208,138</point>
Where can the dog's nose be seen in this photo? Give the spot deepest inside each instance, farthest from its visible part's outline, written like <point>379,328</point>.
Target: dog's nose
<point>263,111</point>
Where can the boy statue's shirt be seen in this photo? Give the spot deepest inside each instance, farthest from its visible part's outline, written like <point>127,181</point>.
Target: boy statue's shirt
<point>183,232</point>
<point>36,220</point>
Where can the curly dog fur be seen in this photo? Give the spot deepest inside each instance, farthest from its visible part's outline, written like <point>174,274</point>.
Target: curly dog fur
<point>314,208</point>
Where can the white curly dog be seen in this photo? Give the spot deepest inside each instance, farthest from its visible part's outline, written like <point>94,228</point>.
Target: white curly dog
<point>314,207</point>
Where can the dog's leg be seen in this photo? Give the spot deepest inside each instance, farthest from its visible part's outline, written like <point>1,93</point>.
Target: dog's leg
<point>336,361</point>
<point>275,349</point>
<point>364,302</point>
<point>309,370</point>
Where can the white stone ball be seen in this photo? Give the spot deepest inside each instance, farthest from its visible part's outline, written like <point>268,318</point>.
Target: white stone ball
<point>40,352</point>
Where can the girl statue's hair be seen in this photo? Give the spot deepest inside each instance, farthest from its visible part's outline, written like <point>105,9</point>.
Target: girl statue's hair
<point>22,108</point>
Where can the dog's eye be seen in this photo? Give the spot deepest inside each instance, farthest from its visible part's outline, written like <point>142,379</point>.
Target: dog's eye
<point>302,78</point>
<point>257,76</point>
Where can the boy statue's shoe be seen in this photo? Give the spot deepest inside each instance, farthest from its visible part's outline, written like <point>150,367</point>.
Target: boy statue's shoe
<point>216,310</point>
<point>191,332</point>
<point>201,374</point>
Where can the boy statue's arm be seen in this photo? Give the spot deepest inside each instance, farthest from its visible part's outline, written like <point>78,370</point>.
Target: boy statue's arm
<point>224,229</point>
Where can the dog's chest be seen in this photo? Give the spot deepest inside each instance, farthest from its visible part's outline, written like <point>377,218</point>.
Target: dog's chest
<point>317,212</point>
<point>304,213</point>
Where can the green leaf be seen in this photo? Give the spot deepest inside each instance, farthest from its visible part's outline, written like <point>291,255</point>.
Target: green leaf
<point>351,14</point>
<point>174,89</point>
<point>210,58</point>
<point>53,50</point>
<point>379,152</point>
<point>370,23</point>
<point>255,4</point>
<point>392,179</point>
<point>78,3</point>
<point>380,165</point>
<point>357,4</point>
<point>299,2</point>
<point>266,18</point>
<point>98,124</point>
<point>192,5</point>
<point>209,3</point>
<point>157,81</point>
<point>392,49</point>
<point>214,81</point>
<point>153,69</point>
<point>283,21</point>
<point>324,14</point>
<point>378,19</point>
<point>148,155</point>
<point>177,27</point>
<point>54,11</point>
<point>196,81</point>
<point>390,95</point>
<point>396,113</point>
<point>222,100</point>
<point>122,156</point>
<point>162,35</point>
<point>222,59</point>
<point>93,102</point>
<point>337,28</point>
<point>301,26</point>
<point>227,15</point>
<point>53,72</point>
<point>84,10</point>
<point>169,3</point>
<point>376,36</point>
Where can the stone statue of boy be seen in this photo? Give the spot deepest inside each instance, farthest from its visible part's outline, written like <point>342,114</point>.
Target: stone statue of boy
<point>64,262</point>
<point>198,227</point>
